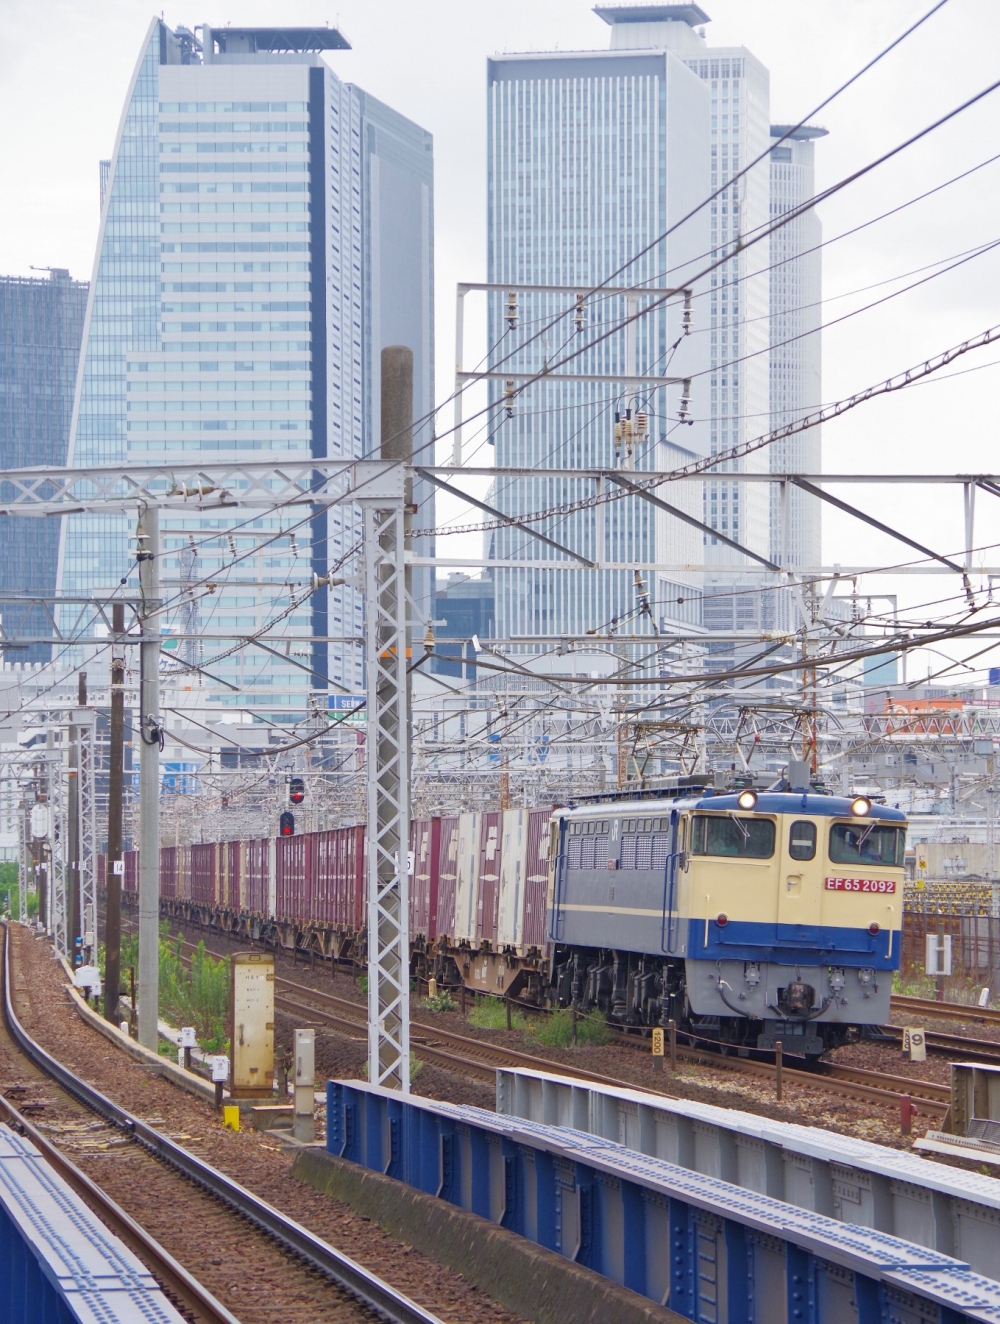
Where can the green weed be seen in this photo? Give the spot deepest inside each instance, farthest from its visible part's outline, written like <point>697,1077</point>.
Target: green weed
<point>491,1014</point>
<point>439,1002</point>
<point>556,1030</point>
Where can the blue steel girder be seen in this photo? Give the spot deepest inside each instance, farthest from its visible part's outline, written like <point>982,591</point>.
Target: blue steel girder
<point>706,1249</point>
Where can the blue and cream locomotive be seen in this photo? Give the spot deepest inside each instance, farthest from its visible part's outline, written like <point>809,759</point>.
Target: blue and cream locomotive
<point>745,915</point>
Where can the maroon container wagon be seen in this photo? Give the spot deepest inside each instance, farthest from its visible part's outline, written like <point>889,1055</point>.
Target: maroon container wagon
<point>533,927</point>
<point>425,837</point>
<point>256,868</point>
<point>444,912</point>
<point>490,830</point>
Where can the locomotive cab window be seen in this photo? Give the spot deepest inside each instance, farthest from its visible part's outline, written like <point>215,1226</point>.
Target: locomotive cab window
<point>802,840</point>
<point>867,844</point>
<point>717,834</point>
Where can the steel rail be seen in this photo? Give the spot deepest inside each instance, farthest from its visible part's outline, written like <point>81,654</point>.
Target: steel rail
<point>971,1050</point>
<point>340,1268</point>
<point>480,1059</point>
<point>948,1011</point>
<point>453,1050</point>
<point>172,1275</point>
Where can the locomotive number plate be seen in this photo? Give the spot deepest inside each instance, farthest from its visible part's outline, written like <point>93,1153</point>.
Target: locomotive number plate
<point>860,885</point>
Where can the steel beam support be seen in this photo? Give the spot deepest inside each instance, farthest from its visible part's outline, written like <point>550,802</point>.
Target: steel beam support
<point>387,761</point>
<point>24,854</point>
<point>499,514</point>
<point>57,828</point>
<point>87,792</point>
<point>149,779</point>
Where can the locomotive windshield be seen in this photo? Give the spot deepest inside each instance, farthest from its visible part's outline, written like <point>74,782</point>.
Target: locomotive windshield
<point>713,834</point>
<point>867,843</point>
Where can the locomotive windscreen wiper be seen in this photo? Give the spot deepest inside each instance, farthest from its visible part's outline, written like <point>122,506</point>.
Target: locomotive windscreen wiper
<point>741,825</point>
<point>865,835</point>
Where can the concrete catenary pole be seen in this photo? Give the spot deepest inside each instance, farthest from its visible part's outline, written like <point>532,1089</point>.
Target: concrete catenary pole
<point>149,776</point>
<point>113,879</point>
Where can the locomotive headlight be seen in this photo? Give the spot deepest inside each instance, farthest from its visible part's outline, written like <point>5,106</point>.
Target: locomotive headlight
<point>747,800</point>
<point>861,806</point>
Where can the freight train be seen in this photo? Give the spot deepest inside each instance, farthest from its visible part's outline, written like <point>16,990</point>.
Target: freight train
<point>744,914</point>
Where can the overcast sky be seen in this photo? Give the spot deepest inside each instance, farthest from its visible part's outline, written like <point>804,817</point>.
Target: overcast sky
<point>64,70</point>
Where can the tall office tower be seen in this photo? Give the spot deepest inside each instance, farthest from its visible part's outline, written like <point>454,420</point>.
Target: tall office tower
<point>593,156</point>
<point>796,362</point>
<point>398,258</point>
<point>41,322</point>
<point>762,376</point>
<point>235,315</point>
<point>738,300</point>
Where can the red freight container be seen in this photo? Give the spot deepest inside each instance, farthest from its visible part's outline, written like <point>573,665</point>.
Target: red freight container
<point>489,876</point>
<point>443,918</point>
<point>325,882</point>
<point>204,872</point>
<point>354,879</point>
<point>168,871</point>
<point>184,872</point>
<point>131,882</point>
<point>234,874</point>
<point>292,863</point>
<point>533,927</point>
<point>425,837</point>
<point>256,860</point>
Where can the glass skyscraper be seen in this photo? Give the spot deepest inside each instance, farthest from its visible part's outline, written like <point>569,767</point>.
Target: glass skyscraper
<point>234,315</point>
<point>592,157</point>
<point>41,322</point>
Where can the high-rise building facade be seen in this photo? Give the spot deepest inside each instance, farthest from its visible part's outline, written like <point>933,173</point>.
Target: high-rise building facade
<point>235,315</point>
<point>796,350</point>
<point>764,316</point>
<point>41,322</point>
<point>593,156</point>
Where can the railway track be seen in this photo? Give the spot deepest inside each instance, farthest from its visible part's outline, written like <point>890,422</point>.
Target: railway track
<point>479,1059</point>
<point>285,1255</point>
<point>944,1011</point>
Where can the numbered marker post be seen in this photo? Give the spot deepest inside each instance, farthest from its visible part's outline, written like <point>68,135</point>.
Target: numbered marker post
<point>914,1045</point>
<point>658,1048</point>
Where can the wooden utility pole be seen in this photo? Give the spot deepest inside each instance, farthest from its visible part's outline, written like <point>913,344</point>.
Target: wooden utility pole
<point>113,879</point>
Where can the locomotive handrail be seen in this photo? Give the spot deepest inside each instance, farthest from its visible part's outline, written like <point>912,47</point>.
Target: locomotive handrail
<point>667,932</point>
<point>560,870</point>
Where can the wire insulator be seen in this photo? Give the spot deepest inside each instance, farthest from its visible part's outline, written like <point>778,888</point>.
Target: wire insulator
<point>512,310</point>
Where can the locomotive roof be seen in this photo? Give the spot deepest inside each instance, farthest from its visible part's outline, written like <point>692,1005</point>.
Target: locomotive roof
<point>768,802</point>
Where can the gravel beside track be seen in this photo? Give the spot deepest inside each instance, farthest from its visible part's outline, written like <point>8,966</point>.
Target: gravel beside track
<point>244,1268</point>
<point>862,1102</point>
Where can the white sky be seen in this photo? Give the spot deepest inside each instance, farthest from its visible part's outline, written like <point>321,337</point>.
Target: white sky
<point>64,70</point>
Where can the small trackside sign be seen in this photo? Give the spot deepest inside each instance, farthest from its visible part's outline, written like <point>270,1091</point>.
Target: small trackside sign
<point>881,885</point>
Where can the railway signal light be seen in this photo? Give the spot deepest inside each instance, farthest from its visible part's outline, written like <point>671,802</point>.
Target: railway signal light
<point>296,790</point>
<point>286,824</point>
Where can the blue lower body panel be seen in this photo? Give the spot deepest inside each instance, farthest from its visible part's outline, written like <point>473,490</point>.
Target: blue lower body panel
<point>58,1262</point>
<point>705,1248</point>
<point>792,944</point>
